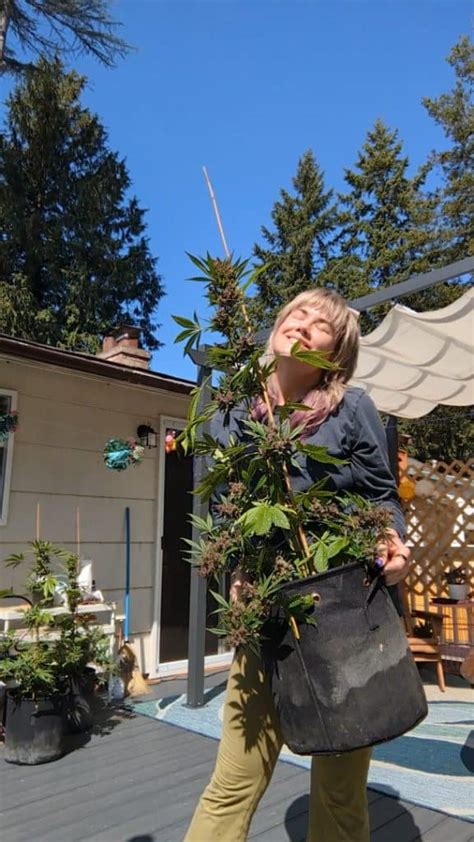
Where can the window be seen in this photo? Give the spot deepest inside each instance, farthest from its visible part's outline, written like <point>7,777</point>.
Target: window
<point>7,404</point>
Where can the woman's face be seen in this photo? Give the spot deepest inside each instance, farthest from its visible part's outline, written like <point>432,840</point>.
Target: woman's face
<point>307,325</point>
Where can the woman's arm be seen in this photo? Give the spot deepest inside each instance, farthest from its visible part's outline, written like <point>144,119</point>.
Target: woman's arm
<point>371,471</point>
<point>374,480</point>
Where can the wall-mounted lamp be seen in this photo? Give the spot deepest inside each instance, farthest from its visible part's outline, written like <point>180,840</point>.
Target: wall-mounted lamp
<point>147,436</point>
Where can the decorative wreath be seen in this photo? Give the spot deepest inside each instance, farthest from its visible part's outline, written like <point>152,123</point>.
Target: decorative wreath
<point>8,424</point>
<point>119,454</point>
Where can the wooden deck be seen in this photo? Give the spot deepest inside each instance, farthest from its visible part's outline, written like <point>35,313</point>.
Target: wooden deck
<point>136,780</point>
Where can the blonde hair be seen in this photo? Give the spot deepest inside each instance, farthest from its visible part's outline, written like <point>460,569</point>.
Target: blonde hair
<point>326,396</point>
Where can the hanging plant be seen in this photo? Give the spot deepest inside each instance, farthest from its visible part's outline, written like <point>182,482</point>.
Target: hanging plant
<point>119,454</point>
<point>8,424</point>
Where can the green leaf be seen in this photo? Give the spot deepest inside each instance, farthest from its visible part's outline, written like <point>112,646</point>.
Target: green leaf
<point>337,546</point>
<point>183,322</point>
<point>319,453</point>
<point>220,600</point>
<point>317,359</point>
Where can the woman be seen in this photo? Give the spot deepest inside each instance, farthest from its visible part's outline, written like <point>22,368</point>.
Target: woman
<point>345,420</point>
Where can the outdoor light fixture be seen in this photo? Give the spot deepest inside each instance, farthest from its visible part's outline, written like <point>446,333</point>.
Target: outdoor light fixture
<point>147,436</point>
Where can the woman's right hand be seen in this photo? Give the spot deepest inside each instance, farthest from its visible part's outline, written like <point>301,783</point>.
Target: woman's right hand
<point>237,580</point>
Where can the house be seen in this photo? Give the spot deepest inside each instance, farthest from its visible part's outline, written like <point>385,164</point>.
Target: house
<point>53,479</point>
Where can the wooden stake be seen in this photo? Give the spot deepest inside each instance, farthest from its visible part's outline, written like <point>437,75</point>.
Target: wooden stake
<point>301,534</point>
<point>78,532</point>
<point>37,530</point>
<point>216,211</point>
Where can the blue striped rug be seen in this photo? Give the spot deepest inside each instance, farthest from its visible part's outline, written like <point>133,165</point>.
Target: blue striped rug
<point>432,766</point>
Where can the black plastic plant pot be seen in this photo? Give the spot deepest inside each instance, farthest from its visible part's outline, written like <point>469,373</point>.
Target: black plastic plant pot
<point>350,680</point>
<point>77,713</point>
<point>33,731</point>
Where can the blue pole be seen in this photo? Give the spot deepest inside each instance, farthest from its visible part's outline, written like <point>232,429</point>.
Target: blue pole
<point>127,573</point>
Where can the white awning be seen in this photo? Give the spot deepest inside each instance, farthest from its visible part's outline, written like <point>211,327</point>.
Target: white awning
<point>414,361</point>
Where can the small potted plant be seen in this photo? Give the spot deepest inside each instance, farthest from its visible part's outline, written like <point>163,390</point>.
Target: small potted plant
<point>44,663</point>
<point>456,579</point>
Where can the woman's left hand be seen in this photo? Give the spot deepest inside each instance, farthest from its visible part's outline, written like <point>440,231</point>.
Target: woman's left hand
<point>396,558</point>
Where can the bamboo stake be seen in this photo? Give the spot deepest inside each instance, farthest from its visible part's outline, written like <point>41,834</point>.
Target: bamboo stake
<point>37,524</point>
<point>301,535</point>
<point>216,211</point>
<point>303,542</point>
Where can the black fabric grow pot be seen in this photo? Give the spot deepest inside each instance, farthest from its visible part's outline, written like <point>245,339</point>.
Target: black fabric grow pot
<point>33,730</point>
<point>350,680</point>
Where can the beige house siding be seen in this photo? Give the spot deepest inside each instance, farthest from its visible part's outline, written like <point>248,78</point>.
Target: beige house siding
<point>65,419</point>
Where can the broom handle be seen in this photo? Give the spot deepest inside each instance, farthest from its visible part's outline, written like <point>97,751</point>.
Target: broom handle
<point>127,573</point>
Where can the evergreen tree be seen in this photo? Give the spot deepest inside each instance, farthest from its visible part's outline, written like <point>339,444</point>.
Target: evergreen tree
<point>454,112</point>
<point>52,27</point>
<point>386,224</point>
<point>74,257</point>
<point>298,246</point>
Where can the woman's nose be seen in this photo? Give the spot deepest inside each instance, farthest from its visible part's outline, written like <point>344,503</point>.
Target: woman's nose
<point>305,326</point>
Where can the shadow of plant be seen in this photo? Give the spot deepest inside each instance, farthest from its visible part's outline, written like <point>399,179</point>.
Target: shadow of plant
<point>253,713</point>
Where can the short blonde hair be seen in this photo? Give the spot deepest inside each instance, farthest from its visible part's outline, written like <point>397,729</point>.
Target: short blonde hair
<point>329,391</point>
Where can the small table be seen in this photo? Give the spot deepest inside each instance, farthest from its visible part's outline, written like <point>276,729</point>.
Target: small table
<point>103,614</point>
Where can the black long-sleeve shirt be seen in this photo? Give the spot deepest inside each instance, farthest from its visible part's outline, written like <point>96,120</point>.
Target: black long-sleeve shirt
<point>353,432</point>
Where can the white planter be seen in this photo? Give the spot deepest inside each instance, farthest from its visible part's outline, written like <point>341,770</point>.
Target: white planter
<point>458,592</point>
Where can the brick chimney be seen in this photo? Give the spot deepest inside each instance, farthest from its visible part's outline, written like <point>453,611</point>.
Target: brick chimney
<point>123,347</point>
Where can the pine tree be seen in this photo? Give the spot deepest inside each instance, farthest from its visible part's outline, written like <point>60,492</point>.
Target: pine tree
<point>454,112</point>
<point>299,244</point>
<point>386,224</point>
<point>52,27</point>
<point>74,256</point>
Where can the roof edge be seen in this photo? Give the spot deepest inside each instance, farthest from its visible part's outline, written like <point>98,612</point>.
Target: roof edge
<point>87,363</point>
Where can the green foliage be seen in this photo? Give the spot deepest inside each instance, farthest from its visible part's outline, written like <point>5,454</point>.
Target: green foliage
<point>59,645</point>
<point>446,434</point>
<point>74,256</point>
<point>50,27</point>
<point>256,521</point>
<point>386,223</point>
<point>454,113</point>
<point>299,245</point>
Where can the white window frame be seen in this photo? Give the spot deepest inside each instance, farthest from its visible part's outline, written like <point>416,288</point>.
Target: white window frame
<point>8,444</point>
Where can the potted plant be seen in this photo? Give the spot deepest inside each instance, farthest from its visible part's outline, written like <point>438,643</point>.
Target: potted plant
<point>301,550</point>
<point>43,664</point>
<point>456,579</point>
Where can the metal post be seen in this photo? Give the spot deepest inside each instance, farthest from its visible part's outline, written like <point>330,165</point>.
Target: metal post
<point>391,434</point>
<point>197,598</point>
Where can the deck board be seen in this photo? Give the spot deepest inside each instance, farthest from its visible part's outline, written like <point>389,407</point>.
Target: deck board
<point>136,780</point>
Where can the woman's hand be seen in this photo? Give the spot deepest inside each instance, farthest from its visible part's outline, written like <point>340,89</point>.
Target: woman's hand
<point>237,580</point>
<point>396,558</point>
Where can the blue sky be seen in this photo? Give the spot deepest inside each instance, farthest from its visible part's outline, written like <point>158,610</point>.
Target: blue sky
<point>245,87</point>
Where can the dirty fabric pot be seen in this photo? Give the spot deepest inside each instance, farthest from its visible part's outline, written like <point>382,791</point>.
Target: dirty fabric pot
<point>33,731</point>
<point>350,681</point>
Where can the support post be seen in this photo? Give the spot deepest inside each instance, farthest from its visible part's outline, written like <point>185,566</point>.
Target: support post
<point>198,593</point>
<point>391,434</point>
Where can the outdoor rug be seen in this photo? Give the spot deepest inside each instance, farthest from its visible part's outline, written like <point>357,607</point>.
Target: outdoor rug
<point>432,766</point>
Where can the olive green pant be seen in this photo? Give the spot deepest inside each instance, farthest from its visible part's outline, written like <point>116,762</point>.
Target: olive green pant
<point>248,751</point>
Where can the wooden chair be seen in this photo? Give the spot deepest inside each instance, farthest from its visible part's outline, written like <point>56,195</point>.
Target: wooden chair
<point>424,649</point>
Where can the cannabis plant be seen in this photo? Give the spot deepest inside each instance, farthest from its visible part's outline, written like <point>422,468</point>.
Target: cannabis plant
<point>57,646</point>
<point>256,520</point>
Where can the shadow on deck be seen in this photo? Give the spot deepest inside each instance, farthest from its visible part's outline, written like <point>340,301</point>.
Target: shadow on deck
<point>137,780</point>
